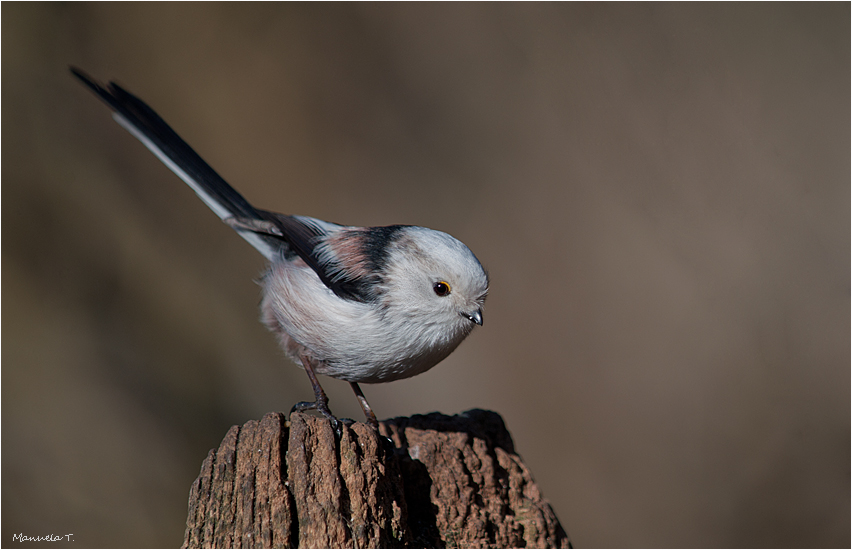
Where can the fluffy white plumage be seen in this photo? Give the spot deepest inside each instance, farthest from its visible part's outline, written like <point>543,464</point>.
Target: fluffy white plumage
<point>405,331</point>
<point>361,304</point>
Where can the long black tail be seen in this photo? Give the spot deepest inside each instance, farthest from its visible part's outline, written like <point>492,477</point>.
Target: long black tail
<point>147,126</point>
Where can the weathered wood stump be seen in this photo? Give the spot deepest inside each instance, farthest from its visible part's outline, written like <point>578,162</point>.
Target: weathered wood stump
<point>432,481</point>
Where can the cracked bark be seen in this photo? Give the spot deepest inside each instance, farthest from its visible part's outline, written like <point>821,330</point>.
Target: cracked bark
<point>431,481</point>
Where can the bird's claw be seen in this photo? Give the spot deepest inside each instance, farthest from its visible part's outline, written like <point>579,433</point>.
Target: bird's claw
<point>303,406</point>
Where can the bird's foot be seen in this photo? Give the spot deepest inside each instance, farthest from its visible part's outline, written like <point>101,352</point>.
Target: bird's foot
<point>321,408</point>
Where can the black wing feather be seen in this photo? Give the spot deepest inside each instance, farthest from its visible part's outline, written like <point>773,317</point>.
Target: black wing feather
<point>297,235</point>
<point>303,237</point>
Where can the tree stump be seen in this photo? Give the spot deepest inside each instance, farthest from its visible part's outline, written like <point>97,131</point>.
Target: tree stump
<point>430,481</point>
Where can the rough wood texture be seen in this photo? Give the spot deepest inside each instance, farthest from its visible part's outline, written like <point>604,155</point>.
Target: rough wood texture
<point>443,482</point>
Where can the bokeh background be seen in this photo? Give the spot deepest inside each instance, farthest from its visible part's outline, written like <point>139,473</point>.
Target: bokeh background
<point>661,193</point>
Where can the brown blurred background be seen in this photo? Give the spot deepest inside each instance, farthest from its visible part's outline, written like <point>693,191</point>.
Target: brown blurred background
<point>661,194</point>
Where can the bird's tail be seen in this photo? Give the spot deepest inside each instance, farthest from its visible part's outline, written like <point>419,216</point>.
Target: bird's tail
<point>147,126</point>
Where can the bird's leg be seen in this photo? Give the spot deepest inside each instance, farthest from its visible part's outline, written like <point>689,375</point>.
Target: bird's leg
<point>320,402</point>
<point>368,412</point>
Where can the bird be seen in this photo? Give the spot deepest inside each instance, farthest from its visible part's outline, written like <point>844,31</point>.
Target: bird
<point>358,304</point>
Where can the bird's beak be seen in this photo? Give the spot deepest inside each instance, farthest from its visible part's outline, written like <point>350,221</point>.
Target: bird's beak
<point>476,316</point>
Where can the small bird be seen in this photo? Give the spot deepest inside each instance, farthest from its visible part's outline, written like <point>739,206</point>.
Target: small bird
<point>360,304</point>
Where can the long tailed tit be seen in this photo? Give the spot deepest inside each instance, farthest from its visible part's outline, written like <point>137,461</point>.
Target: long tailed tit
<point>360,304</point>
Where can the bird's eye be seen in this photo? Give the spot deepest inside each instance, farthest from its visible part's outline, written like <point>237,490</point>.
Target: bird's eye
<point>441,288</point>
